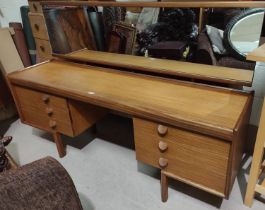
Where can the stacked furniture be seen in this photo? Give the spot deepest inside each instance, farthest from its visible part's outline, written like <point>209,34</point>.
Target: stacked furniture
<point>39,30</point>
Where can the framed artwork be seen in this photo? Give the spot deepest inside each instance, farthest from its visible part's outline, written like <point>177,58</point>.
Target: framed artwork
<point>117,43</point>
<point>129,32</point>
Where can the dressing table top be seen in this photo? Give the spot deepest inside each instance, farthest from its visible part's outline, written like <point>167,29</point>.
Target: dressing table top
<point>210,110</point>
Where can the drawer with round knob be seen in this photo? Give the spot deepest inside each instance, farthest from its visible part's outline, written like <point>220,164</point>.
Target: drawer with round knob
<point>35,7</point>
<point>162,130</point>
<point>43,48</point>
<point>54,113</point>
<point>44,111</point>
<point>38,26</point>
<point>191,156</point>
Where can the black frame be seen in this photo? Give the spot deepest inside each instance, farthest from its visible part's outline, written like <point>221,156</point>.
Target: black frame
<point>227,41</point>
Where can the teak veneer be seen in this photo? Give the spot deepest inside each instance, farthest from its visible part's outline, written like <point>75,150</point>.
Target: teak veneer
<point>192,132</point>
<point>257,54</point>
<point>164,67</point>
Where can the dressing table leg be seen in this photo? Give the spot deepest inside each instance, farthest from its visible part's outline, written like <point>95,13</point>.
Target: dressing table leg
<point>164,187</point>
<point>59,144</point>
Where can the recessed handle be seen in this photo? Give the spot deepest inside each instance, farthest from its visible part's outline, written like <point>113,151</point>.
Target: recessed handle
<point>35,7</point>
<point>45,98</point>
<point>36,26</point>
<point>163,162</point>
<point>42,48</point>
<point>52,124</point>
<point>162,146</point>
<point>162,130</point>
<point>49,111</point>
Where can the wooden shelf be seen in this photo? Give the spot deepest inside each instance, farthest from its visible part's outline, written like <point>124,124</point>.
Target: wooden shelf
<point>164,67</point>
<point>257,54</point>
<point>178,4</point>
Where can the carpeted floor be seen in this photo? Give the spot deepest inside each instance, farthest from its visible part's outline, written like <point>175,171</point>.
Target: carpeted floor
<point>108,177</point>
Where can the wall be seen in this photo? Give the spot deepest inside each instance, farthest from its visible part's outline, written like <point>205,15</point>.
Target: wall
<point>10,11</point>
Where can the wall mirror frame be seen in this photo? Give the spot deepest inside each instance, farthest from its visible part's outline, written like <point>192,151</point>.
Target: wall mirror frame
<point>242,34</point>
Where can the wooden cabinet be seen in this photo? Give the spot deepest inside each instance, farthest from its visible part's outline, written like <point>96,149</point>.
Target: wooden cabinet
<point>194,157</point>
<point>39,30</point>
<point>55,114</point>
<point>44,48</point>
<point>48,112</point>
<point>38,26</point>
<point>35,6</point>
<point>194,133</point>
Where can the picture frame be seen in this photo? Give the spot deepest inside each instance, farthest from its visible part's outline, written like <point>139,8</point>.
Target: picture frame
<point>117,43</point>
<point>129,32</point>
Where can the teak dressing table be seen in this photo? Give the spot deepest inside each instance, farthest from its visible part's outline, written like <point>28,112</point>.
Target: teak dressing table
<point>193,132</point>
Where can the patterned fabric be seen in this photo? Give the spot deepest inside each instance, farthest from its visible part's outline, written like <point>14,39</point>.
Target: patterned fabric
<point>43,184</point>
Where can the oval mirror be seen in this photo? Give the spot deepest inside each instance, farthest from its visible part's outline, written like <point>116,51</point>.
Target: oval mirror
<point>242,33</point>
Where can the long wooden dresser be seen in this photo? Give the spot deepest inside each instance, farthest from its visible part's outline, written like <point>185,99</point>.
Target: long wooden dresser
<point>194,133</point>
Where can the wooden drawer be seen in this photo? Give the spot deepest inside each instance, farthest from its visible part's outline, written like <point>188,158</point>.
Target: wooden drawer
<point>44,48</point>
<point>44,111</point>
<point>35,7</point>
<point>198,159</point>
<point>38,26</point>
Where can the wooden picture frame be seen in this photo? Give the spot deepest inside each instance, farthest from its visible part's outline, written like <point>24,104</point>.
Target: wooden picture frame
<point>117,43</point>
<point>129,32</point>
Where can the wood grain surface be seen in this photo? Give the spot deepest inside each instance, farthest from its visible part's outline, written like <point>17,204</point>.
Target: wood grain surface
<point>34,111</point>
<point>165,67</point>
<point>38,26</point>
<point>69,29</point>
<point>210,110</point>
<point>35,7</point>
<point>44,48</point>
<point>198,158</point>
<point>84,115</point>
<point>257,54</point>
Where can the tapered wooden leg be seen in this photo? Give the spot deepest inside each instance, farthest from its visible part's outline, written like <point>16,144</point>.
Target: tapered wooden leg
<point>164,187</point>
<point>254,175</point>
<point>59,144</point>
<point>256,160</point>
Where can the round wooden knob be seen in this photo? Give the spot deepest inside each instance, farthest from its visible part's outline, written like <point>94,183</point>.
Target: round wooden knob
<point>162,130</point>
<point>163,162</point>
<point>46,98</point>
<point>162,146</point>
<point>36,26</point>
<point>49,111</point>
<point>42,48</point>
<point>52,124</point>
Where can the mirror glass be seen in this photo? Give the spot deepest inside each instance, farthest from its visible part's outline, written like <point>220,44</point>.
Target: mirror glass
<point>243,32</point>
